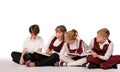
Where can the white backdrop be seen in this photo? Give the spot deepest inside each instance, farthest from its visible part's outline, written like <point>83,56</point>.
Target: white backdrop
<point>87,16</point>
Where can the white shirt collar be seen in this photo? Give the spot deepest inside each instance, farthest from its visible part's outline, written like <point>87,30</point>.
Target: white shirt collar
<point>75,45</point>
<point>106,42</point>
<point>35,39</point>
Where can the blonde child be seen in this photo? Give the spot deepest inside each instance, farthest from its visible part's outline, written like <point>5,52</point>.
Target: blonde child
<point>102,49</point>
<point>73,45</point>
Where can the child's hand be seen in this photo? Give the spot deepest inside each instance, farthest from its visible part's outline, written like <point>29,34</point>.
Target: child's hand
<point>39,49</point>
<point>49,52</point>
<point>94,54</point>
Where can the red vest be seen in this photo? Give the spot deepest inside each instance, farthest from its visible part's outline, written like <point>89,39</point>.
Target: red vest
<point>58,48</point>
<point>79,50</point>
<point>98,50</point>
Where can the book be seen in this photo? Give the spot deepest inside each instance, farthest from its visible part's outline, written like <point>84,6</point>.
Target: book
<point>43,53</point>
<point>80,55</point>
<point>76,56</point>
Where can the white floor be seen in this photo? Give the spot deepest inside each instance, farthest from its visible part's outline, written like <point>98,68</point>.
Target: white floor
<point>6,65</point>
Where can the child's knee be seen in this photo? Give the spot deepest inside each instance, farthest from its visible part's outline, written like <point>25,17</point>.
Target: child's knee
<point>55,55</point>
<point>89,59</point>
<point>13,54</point>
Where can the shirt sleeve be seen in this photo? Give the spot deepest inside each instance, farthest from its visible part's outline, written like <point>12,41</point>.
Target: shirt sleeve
<point>25,43</point>
<point>64,49</point>
<point>41,45</point>
<point>108,52</point>
<point>91,45</point>
<point>85,46</point>
<point>48,43</point>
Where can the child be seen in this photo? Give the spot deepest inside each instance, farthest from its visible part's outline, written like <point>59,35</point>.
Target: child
<point>32,44</point>
<point>73,45</point>
<point>53,46</point>
<point>102,49</point>
<point>56,42</point>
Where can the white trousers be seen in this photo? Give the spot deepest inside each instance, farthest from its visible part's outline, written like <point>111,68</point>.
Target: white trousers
<point>66,58</point>
<point>78,62</point>
<point>71,62</point>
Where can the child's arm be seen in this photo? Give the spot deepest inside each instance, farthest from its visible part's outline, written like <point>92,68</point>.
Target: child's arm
<point>48,43</point>
<point>91,45</point>
<point>48,51</point>
<point>22,55</point>
<point>108,52</point>
<point>85,46</point>
<point>41,45</point>
<point>64,49</point>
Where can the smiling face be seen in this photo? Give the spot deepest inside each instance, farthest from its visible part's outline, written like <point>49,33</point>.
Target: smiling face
<point>58,33</point>
<point>60,30</point>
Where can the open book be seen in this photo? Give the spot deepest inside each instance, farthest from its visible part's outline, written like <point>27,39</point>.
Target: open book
<point>43,53</point>
<point>80,55</point>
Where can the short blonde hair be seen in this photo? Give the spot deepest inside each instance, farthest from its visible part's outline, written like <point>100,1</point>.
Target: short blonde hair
<point>104,32</point>
<point>71,35</point>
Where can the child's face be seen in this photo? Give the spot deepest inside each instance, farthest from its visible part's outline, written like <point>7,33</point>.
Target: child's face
<point>58,33</point>
<point>100,39</point>
<point>67,40</point>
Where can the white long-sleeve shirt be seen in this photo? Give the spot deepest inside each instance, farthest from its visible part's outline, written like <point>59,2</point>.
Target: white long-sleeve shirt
<point>108,52</point>
<point>65,49</point>
<point>32,46</point>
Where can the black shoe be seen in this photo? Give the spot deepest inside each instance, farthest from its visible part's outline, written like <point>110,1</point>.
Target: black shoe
<point>114,67</point>
<point>93,66</point>
<point>62,63</point>
<point>84,65</point>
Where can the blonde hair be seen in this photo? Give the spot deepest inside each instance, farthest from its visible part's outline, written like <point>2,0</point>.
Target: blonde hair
<point>72,34</point>
<point>104,32</point>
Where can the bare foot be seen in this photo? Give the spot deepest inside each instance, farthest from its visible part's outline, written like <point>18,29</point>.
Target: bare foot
<point>56,63</point>
<point>30,64</point>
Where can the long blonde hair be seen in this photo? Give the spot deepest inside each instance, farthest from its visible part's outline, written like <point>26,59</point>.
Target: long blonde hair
<point>71,35</point>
